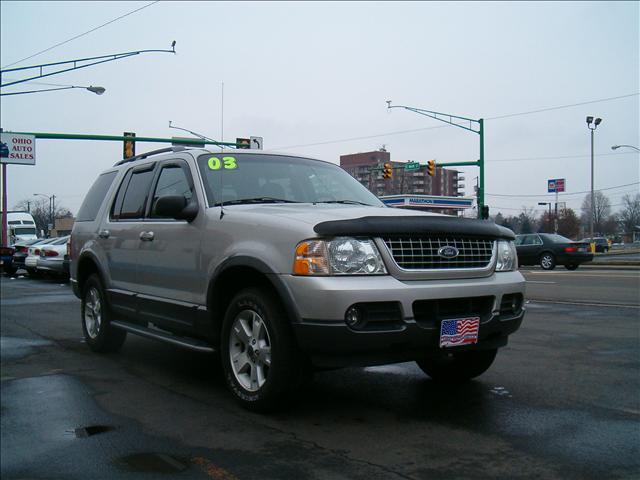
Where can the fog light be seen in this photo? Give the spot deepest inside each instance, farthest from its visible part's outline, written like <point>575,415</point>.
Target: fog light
<point>515,304</point>
<point>352,317</point>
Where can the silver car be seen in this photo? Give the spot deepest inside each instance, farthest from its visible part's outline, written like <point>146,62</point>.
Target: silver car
<point>282,264</point>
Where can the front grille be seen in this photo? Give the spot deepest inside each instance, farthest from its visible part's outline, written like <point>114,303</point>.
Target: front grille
<point>421,253</point>
<point>429,313</point>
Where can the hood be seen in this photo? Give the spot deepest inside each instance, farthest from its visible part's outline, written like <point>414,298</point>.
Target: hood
<point>336,220</point>
<point>312,214</point>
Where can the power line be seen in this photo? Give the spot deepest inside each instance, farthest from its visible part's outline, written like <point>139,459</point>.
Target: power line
<point>561,194</point>
<point>509,115</point>
<point>399,132</point>
<point>82,34</point>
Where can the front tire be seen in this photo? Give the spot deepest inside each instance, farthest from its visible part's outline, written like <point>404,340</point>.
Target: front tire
<point>260,359</point>
<point>457,367</point>
<point>96,319</point>
<point>547,261</point>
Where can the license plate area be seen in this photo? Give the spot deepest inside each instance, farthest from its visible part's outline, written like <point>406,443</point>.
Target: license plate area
<point>455,332</point>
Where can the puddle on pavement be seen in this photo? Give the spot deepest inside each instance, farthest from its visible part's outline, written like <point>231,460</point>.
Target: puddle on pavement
<point>153,463</point>
<point>14,347</point>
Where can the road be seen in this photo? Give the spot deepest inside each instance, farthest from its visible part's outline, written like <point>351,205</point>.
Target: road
<point>562,401</point>
<point>584,285</point>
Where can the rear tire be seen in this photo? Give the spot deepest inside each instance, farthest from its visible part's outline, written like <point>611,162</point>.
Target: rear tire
<point>260,359</point>
<point>96,319</point>
<point>571,267</point>
<point>547,261</point>
<point>456,367</point>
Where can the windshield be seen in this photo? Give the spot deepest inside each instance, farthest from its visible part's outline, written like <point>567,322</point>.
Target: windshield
<point>236,178</point>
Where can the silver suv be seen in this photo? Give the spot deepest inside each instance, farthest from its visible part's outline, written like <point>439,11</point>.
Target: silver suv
<point>282,265</point>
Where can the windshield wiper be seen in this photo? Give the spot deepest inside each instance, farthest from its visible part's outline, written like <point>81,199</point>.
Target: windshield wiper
<point>257,200</point>
<point>347,202</point>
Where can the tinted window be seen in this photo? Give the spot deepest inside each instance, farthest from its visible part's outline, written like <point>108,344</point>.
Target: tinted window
<point>94,198</point>
<point>172,181</point>
<point>135,197</point>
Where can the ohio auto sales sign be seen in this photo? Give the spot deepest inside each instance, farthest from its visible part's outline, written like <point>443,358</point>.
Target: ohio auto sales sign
<point>16,148</point>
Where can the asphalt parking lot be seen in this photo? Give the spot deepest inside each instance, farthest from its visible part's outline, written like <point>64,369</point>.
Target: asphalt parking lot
<point>561,401</point>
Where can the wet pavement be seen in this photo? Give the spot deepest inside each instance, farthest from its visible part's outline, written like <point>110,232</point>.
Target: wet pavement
<point>561,401</point>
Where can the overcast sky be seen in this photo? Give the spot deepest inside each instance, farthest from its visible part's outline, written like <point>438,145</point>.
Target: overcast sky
<point>313,78</point>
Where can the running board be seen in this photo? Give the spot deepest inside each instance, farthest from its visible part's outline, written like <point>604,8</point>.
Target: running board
<point>190,343</point>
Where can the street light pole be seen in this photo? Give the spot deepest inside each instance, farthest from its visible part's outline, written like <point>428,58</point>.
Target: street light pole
<point>595,122</point>
<point>615,147</point>
<point>92,89</point>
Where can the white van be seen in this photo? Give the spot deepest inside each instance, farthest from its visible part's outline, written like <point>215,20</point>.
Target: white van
<point>20,226</point>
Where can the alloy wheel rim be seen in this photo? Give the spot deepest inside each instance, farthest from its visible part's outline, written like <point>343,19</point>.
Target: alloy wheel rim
<point>92,313</point>
<point>546,261</point>
<point>250,350</point>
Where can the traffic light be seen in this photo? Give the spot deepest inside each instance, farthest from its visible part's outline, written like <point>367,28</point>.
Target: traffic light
<point>243,143</point>
<point>431,168</point>
<point>387,171</point>
<point>129,146</point>
<point>484,212</point>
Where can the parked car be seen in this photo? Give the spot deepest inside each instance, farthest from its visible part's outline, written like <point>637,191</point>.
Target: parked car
<point>33,254</point>
<point>21,251</point>
<point>602,244</point>
<point>281,264</point>
<point>549,250</point>
<point>52,255</point>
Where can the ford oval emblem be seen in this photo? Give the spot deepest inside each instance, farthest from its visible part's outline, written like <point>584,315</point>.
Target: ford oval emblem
<point>448,252</point>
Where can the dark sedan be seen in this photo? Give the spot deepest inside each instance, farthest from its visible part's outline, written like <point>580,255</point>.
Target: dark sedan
<point>549,250</point>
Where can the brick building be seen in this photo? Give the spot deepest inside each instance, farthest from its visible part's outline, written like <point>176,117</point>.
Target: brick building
<point>361,167</point>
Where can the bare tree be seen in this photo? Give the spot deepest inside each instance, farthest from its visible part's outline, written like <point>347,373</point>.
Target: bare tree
<point>603,221</point>
<point>568,223</point>
<point>630,214</point>
<point>527,220</point>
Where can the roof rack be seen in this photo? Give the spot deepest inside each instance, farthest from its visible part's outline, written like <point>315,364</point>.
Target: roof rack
<point>178,148</point>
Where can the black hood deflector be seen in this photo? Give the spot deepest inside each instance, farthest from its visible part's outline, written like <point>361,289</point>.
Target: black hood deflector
<point>418,225</point>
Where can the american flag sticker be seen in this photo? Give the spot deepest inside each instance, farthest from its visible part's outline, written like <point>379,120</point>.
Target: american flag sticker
<point>459,331</point>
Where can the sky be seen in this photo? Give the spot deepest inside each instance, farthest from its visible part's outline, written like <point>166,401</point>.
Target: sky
<point>313,78</point>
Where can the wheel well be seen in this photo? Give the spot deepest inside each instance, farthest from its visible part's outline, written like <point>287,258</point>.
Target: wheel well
<point>225,286</point>
<point>86,267</point>
<point>546,251</point>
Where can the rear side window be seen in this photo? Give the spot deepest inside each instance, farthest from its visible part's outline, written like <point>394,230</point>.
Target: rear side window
<point>135,195</point>
<point>94,198</point>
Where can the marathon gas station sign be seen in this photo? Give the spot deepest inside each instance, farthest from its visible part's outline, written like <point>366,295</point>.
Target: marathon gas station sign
<point>427,201</point>
<point>17,149</point>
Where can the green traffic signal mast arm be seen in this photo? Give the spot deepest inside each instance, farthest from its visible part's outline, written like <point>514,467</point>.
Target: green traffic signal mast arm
<point>120,138</point>
<point>98,60</point>
<point>459,122</point>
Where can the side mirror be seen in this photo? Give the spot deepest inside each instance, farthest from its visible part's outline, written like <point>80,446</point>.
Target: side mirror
<point>176,206</point>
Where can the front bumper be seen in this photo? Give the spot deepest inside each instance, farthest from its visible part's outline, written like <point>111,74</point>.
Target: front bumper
<point>322,303</point>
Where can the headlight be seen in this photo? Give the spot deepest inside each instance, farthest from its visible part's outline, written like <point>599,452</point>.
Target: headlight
<point>507,256</point>
<point>340,256</point>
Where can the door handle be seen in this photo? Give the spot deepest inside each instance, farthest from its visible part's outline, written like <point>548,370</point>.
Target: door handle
<point>103,233</point>
<point>146,236</point>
